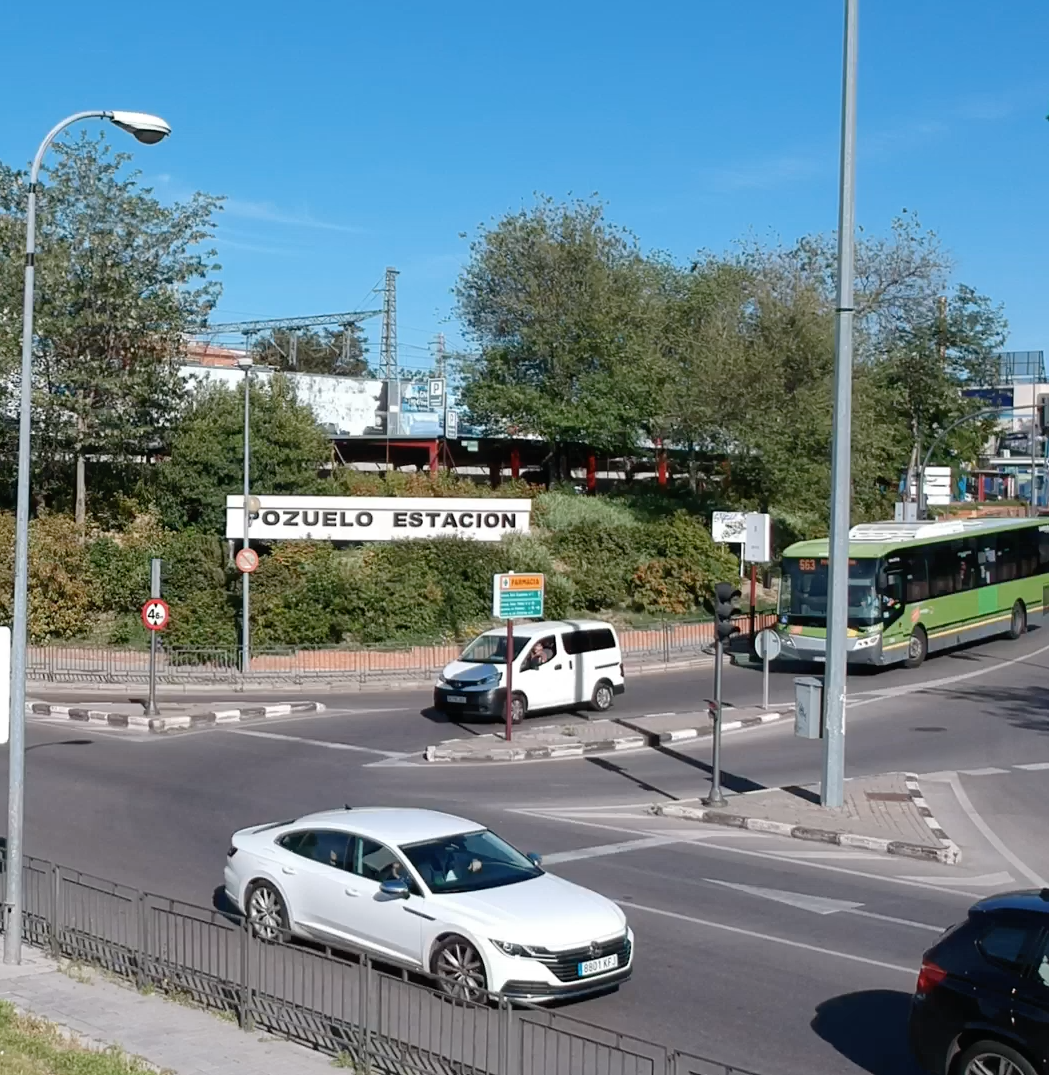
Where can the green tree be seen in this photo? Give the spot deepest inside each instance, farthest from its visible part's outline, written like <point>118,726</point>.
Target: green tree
<point>121,279</point>
<point>558,303</point>
<point>339,351</point>
<point>288,449</point>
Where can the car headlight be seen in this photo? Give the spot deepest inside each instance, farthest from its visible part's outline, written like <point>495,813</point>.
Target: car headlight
<point>509,948</point>
<point>440,678</point>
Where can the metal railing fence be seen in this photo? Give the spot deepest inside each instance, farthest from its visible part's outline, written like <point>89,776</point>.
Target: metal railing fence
<point>661,642</point>
<point>381,1020</point>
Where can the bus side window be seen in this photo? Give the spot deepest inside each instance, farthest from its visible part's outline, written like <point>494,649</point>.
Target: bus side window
<point>1028,553</point>
<point>964,552</point>
<point>1043,548</point>
<point>1008,558</point>
<point>917,576</point>
<point>942,562</point>
<point>985,556</point>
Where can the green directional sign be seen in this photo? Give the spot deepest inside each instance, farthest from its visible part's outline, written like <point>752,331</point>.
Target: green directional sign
<point>517,597</point>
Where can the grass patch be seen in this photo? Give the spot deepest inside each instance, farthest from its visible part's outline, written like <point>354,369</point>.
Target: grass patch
<point>35,1047</point>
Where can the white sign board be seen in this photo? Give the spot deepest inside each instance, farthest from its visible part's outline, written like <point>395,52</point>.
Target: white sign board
<point>5,684</point>
<point>436,389</point>
<point>451,425</point>
<point>729,526</point>
<point>369,518</point>
<point>936,485</point>
<point>757,548</point>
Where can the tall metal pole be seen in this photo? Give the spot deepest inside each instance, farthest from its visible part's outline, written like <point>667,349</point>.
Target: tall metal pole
<point>245,634</point>
<point>154,591</point>
<point>1034,443</point>
<point>716,797</point>
<point>832,790</point>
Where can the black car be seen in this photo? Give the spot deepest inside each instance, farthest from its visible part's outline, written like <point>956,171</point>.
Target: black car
<point>981,1005</point>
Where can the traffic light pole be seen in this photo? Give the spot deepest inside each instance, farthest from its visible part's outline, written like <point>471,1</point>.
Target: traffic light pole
<point>716,798</point>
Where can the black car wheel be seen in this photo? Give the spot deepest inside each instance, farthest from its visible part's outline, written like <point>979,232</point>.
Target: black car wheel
<point>603,696</point>
<point>518,707</point>
<point>1018,620</point>
<point>459,970</point>
<point>992,1058</point>
<point>917,648</point>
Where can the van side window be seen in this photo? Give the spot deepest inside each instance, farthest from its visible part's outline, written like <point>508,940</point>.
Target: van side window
<point>602,639</point>
<point>574,642</point>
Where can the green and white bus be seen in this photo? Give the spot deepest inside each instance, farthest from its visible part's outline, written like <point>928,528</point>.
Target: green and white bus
<point>915,588</point>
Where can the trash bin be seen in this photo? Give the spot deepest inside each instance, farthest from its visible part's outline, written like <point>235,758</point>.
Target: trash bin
<point>808,707</point>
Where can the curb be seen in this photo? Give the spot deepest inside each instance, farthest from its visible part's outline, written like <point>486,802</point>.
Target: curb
<point>444,753</point>
<point>677,735</point>
<point>159,725</point>
<point>948,853</point>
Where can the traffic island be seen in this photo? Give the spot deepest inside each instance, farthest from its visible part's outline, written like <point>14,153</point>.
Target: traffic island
<point>884,813</point>
<point>582,737</point>
<point>130,716</point>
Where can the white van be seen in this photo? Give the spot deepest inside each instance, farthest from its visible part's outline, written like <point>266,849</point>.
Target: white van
<point>558,664</point>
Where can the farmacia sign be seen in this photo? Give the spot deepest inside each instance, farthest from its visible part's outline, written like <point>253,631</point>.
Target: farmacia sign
<point>367,518</point>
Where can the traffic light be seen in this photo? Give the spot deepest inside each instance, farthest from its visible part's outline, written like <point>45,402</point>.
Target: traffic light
<point>725,597</point>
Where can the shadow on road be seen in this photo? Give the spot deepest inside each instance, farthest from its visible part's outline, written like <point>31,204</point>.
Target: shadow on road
<point>869,1029</point>
<point>61,743</point>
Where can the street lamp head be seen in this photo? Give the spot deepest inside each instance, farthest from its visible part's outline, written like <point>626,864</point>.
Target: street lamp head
<point>146,128</point>
<point>245,362</point>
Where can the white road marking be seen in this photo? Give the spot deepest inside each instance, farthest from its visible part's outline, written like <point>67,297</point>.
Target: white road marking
<point>602,850</point>
<point>773,856</point>
<point>966,804</point>
<point>316,742</point>
<point>988,879</point>
<point>1033,766</point>
<point>821,905</point>
<point>842,854</point>
<point>869,697</point>
<point>739,931</point>
<point>990,770</point>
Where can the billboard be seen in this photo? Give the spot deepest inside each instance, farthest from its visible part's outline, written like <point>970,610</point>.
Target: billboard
<point>371,518</point>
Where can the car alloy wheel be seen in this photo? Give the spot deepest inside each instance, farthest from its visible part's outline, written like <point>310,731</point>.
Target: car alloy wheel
<point>991,1064</point>
<point>460,970</point>
<point>266,913</point>
<point>993,1058</point>
<point>603,696</point>
<point>518,708</point>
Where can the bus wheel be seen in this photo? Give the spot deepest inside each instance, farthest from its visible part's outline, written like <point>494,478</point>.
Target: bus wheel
<point>917,648</point>
<point>1018,623</point>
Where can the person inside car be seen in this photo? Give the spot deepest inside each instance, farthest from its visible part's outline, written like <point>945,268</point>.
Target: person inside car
<point>542,652</point>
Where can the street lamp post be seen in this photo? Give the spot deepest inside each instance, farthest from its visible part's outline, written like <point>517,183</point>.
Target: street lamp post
<point>149,130</point>
<point>832,785</point>
<point>245,363</point>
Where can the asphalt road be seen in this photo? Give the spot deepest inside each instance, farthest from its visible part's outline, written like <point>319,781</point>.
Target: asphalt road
<point>770,976</point>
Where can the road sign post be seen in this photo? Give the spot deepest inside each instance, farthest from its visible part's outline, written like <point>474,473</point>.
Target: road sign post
<point>155,617</point>
<point>767,646</point>
<point>515,596</point>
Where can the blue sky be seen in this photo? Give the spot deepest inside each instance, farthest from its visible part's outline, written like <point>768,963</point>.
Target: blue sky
<point>349,137</point>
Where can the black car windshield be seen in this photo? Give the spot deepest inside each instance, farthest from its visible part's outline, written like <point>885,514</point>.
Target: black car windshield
<point>491,649</point>
<point>469,862</point>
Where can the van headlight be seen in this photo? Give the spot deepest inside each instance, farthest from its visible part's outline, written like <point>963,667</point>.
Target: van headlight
<point>440,678</point>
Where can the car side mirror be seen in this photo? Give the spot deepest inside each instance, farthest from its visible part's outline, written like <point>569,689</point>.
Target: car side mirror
<point>395,888</point>
<point>534,859</point>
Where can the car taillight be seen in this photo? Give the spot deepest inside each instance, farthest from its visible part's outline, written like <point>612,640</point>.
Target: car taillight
<point>231,852</point>
<point>621,672</point>
<point>929,977</point>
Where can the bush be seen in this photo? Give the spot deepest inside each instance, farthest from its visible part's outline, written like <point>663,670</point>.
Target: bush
<point>347,482</point>
<point>600,561</point>
<point>63,594</point>
<point>562,511</point>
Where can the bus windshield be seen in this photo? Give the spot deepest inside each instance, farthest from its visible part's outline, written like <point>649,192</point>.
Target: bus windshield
<point>803,592</point>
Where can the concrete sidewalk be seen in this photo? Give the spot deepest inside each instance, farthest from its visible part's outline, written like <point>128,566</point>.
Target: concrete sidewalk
<point>582,737</point>
<point>172,1037</point>
<point>885,813</point>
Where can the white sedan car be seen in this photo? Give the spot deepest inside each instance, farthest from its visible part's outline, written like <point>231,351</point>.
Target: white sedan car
<point>434,892</point>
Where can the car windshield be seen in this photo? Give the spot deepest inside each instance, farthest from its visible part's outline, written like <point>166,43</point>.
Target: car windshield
<point>469,862</point>
<point>803,592</point>
<point>491,649</point>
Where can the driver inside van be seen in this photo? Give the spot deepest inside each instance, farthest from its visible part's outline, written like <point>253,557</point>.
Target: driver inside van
<point>542,652</point>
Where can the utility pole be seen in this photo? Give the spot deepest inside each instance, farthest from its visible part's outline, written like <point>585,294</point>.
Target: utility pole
<point>439,360</point>
<point>389,327</point>
<point>832,790</point>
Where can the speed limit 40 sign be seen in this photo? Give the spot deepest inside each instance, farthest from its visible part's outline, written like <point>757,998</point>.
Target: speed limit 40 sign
<point>155,614</point>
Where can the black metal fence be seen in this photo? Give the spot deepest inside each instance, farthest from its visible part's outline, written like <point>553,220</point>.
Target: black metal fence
<point>383,1021</point>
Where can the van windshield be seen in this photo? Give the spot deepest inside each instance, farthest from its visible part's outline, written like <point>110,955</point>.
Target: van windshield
<point>491,649</point>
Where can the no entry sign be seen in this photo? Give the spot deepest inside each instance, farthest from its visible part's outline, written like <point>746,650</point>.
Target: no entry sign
<point>155,614</point>
<point>247,560</point>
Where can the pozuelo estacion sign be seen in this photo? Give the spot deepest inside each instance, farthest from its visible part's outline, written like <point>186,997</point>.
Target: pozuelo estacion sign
<point>367,518</point>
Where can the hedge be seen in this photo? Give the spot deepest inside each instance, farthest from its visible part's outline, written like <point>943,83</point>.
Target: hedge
<point>596,560</point>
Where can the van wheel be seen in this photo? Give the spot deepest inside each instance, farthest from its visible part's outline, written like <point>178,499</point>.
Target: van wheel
<point>1018,621</point>
<point>603,696</point>
<point>917,648</point>
<point>518,707</point>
